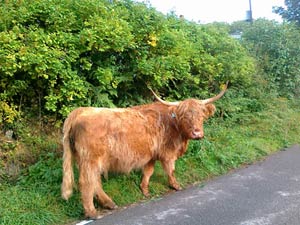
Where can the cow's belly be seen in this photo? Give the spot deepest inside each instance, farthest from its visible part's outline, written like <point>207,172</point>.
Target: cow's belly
<point>129,152</point>
<point>128,164</point>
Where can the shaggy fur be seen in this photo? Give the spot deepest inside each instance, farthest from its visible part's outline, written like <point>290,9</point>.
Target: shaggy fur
<point>120,140</point>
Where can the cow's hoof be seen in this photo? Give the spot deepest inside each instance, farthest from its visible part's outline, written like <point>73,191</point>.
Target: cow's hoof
<point>176,187</point>
<point>146,193</point>
<point>95,216</point>
<point>91,215</point>
<point>110,205</point>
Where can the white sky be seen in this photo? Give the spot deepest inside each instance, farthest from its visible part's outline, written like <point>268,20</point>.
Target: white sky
<point>206,11</point>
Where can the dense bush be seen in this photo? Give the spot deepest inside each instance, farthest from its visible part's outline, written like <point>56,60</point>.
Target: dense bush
<point>46,47</point>
<point>60,54</point>
<point>275,46</point>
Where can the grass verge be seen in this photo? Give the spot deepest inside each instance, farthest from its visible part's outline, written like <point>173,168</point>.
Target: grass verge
<point>35,197</point>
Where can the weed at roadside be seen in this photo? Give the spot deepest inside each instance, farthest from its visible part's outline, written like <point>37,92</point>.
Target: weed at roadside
<point>35,198</point>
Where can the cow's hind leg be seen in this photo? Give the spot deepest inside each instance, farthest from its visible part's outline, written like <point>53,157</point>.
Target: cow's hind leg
<point>87,188</point>
<point>90,185</point>
<point>102,197</point>
<point>147,173</point>
<point>169,168</point>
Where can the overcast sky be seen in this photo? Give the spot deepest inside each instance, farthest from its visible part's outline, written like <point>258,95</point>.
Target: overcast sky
<point>206,11</point>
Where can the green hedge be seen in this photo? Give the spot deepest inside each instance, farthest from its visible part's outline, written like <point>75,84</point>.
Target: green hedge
<point>276,47</point>
<point>60,54</point>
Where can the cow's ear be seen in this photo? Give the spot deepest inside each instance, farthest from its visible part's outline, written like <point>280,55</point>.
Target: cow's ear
<point>210,110</point>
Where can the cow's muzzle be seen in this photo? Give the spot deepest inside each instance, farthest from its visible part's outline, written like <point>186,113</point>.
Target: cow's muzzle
<point>197,134</point>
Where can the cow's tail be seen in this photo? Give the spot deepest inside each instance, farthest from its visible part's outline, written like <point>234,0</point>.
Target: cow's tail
<point>68,174</point>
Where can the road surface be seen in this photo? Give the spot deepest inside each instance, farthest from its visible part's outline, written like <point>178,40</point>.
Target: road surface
<point>266,193</point>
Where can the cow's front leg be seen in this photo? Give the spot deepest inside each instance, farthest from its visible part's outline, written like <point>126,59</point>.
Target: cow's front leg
<point>147,173</point>
<point>169,167</point>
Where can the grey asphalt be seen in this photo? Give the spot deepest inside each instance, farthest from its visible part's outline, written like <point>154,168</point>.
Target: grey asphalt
<point>265,193</point>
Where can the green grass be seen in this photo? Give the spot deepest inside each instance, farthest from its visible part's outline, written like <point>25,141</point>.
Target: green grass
<point>35,197</point>
<point>28,206</point>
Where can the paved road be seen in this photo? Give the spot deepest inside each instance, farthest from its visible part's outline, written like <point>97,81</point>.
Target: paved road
<point>267,193</point>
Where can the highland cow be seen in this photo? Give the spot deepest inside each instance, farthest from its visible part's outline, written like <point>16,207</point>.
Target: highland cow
<point>123,139</point>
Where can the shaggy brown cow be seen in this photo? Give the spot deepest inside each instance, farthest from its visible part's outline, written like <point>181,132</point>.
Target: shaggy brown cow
<point>120,140</point>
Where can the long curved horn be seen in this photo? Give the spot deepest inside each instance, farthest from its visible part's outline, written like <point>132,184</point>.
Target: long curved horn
<point>162,101</point>
<point>211,100</point>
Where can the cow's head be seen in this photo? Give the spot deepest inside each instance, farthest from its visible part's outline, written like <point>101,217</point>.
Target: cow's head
<point>192,113</point>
